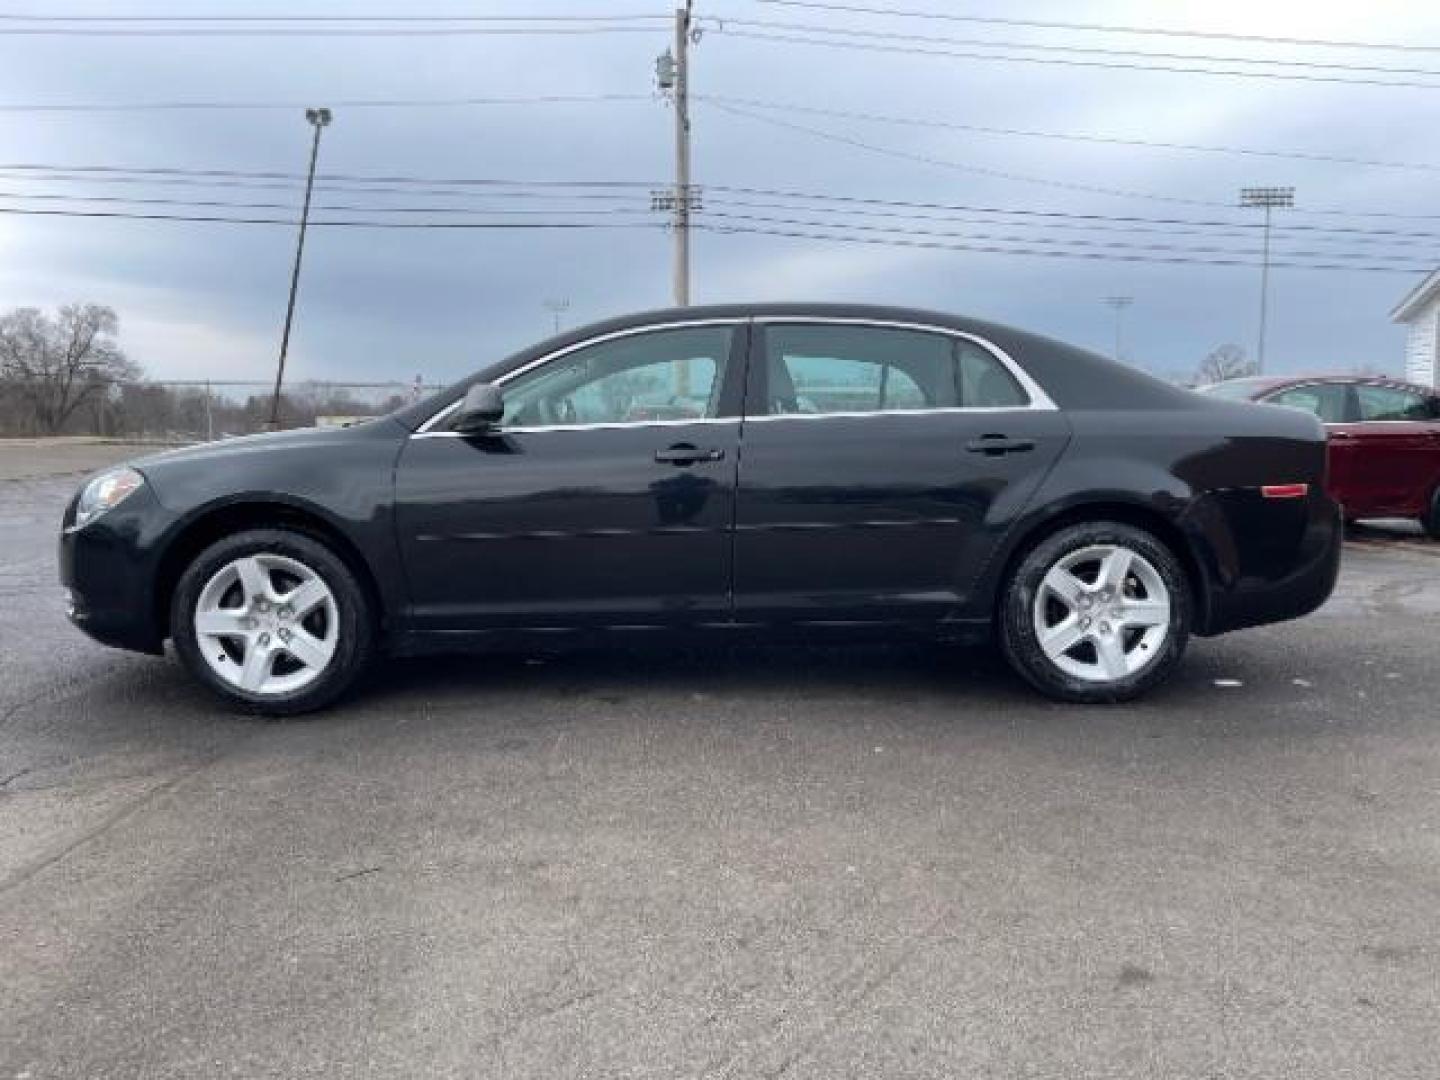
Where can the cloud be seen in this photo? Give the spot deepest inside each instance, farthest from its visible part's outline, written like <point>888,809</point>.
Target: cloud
<point>200,299</point>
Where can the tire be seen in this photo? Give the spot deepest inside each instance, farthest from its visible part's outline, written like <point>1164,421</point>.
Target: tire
<point>241,596</point>
<point>1431,521</point>
<point>1125,641</point>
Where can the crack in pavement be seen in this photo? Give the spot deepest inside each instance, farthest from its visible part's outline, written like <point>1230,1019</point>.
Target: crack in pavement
<point>26,873</point>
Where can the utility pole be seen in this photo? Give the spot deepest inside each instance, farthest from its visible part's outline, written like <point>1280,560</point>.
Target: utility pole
<point>556,307</point>
<point>1267,198</point>
<point>672,76</point>
<point>682,155</point>
<point>1119,303</point>
<point>318,119</point>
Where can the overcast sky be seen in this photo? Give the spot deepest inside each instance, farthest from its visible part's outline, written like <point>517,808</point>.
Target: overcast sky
<point>207,300</point>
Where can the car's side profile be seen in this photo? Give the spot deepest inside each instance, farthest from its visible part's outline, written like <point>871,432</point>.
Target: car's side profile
<point>1384,439</point>
<point>810,469</point>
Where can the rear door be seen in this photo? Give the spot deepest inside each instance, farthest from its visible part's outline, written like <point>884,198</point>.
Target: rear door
<point>880,463</point>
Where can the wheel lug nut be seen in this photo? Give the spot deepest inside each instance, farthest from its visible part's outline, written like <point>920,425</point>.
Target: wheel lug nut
<point>264,639</point>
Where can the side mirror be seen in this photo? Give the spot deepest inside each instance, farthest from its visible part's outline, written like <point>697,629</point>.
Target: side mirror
<point>481,410</point>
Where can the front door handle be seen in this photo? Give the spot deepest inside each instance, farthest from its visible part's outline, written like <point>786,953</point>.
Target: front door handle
<point>687,454</point>
<point>995,445</point>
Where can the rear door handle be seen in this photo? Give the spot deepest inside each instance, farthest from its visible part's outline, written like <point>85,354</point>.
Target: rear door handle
<point>688,454</point>
<point>995,445</point>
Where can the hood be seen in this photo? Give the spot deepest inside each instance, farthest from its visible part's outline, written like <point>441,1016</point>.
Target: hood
<point>297,439</point>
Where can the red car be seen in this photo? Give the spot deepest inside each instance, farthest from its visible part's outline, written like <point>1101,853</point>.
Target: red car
<point>1384,439</point>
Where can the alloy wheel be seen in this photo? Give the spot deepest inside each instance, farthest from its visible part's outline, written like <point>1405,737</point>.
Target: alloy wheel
<point>1102,613</point>
<point>267,624</point>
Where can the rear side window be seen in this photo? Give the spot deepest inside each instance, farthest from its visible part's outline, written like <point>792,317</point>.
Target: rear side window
<point>1325,400</point>
<point>1392,403</point>
<point>819,369</point>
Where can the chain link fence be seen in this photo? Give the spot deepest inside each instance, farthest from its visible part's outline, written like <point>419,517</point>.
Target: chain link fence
<point>199,410</point>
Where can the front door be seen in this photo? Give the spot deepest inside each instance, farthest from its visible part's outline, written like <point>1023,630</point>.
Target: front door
<point>604,498</point>
<point>879,466</point>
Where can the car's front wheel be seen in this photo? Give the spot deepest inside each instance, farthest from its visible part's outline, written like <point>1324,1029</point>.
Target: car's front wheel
<point>1097,612</point>
<point>272,619</point>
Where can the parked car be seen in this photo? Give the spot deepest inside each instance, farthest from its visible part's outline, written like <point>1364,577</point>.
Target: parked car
<point>1384,439</point>
<point>977,480</point>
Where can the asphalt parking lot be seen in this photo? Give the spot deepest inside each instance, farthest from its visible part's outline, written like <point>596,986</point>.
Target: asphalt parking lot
<point>851,863</point>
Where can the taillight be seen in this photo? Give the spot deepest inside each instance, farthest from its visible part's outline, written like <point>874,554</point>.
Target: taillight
<point>1285,491</point>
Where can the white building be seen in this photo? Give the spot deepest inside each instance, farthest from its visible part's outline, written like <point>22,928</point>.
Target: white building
<point>1420,312</point>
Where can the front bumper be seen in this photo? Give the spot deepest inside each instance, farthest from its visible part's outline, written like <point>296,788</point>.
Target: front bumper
<point>108,568</point>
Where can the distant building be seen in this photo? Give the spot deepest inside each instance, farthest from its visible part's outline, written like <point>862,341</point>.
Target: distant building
<point>1420,313</point>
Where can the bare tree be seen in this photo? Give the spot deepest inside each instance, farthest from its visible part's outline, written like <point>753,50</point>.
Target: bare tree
<point>1225,362</point>
<point>55,365</point>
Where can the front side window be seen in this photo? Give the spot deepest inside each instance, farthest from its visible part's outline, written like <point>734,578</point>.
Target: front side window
<point>819,369</point>
<point>1392,403</point>
<point>1324,400</point>
<point>657,375</point>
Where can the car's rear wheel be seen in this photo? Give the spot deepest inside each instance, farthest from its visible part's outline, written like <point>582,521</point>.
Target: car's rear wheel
<point>273,620</point>
<point>1431,521</point>
<point>1097,612</point>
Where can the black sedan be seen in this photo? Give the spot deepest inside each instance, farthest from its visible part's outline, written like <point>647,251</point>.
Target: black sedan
<point>810,469</point>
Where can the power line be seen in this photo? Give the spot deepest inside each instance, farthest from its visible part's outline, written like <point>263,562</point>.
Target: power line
<point>594,188</point>
<point>1010,58</point>
<point>1105,28</point>
<point>946,125</point>
<point>1049,220</point>
<point>345,223</point>
<point>1100,223</point>
<point>331,207</point>
<point>318,31</point>
<point>1083,50</point>
<point>1005,250</point>
<point>361,103</point>
<point>945,163</point>
<point>917,241</point>
<point>1108,245</point>
<point>1068,185</point>
<point>191,18</point>
<point>226,174</point>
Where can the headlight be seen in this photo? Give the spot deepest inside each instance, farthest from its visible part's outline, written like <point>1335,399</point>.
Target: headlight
<point>105,492</point>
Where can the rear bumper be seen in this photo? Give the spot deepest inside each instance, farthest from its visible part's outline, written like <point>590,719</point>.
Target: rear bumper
<point>108,570</point>
<point>1272,560</point>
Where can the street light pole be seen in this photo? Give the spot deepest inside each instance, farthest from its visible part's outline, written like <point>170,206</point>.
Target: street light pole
<point>318,119</point>
<point>1119,303</point>
<point>1267,198</point>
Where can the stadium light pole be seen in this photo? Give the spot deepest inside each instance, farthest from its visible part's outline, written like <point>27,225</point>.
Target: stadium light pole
<point>557,306</point>
<point>318,119</point>
<point>1119,303</point>
<point>1267,198</point>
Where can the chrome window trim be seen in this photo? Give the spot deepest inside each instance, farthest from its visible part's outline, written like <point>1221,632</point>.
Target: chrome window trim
<point>1039,399</point>
<point>425,429</point>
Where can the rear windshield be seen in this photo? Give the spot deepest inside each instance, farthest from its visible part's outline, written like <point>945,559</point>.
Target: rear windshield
<point>1238,389</point>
